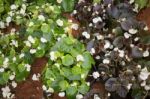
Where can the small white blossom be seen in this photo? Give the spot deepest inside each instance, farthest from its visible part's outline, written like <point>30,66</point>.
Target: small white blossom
<point>13,7</point>
<point>6,92</point>
<point>79,96</point>
<point>41,18</point>
<point>144,74</point>
<point>2,70</point>
<point>8,19</point>
<point>86,35</point>
<point>35,77</point>
<point>96,96</point>
<point>59,22</point>
<point>14,42</point>
<point>106,61</point>
<point>61,94</point>
<point>97,19</point>
<point>82,76</point>
<point>92,51</point>
<point>5,62</point>
<point>44,88</point>
<point>22,11</point>
<point>51,90</point>
<point>52,56</point>
<point>31,24</point>
<point>136,39</point>
<point>21,55</point>
<point>100,37</point>
<point>80,58</point>
<point>31,39</point>
<point>133,31</point>
<point>146,53</point>
<point>27,43</point>
<point>75,26</point>
<point>143,83</point>
<point>28,67</point>
<point>24,6</point>
<point>97,57</point>
<point>127,35</point>
<point>147,87</point>
<point>2,25</point>
<point>107,44</point>
<point>146,28</point>
<point>74,11</point>
<point>14,84</point>
<point>43,40</point>
<point>121,53</point>
<point>96,75</point>
<point>32,51</point>
<point>59,1</point>
<point>131,1</point>
<point>12,77</point>
<point>129,86</point>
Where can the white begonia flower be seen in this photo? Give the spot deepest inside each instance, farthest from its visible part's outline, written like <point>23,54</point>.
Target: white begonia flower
<point>61,94</point>
<point>2,70</point>
<point>121,53</point>
<point>127,35</point>
<point>82,76</point>
<point>51,90</point>
<point>27,43</point>
<point>22,11</point>
<point>2,25</point>
<point>92,51</point>
<point>43,40</point>
<point>106,61</point>
<point>21,55</point>
<point>35,77</point>
<point>144,74</point>
<point>146,28</point>
<point>136,39</point>
<point>31,39</point>
<point>11,77</point>
<point>41,18</point>
<point>60,22</point>
<point>75,26</point>
<point>97,19</point>
<point>14,42</point>
<point>131,1</point>
<point>79,96</point>
<point>74,11</point>
<point>59,1</point>
<point>5,62</point>
<point>14,84</point>
<point>107,44</point>
<point>44,88</point>
<point>52,56</point>
<point>13,7</point>
<point>86,35</point>
<point>133,31</point>
<point>31,24</point>
<point>6,92</point>
<point>129,86</point>
<point>100,37</point>
<point>96,96</point>
<point>95,75</point>
<point>146,53</point>
<point>80,58</point>
<point>24,6</point>
<point>28,67</point>
<point>8,19</point>
<point>32,51</point>
<point>98,57</point>
<point>136,7</point>
<point>143,83</point>
<point>147,87</point>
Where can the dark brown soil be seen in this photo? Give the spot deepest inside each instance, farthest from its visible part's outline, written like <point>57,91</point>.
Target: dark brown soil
<point>30,89</point>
